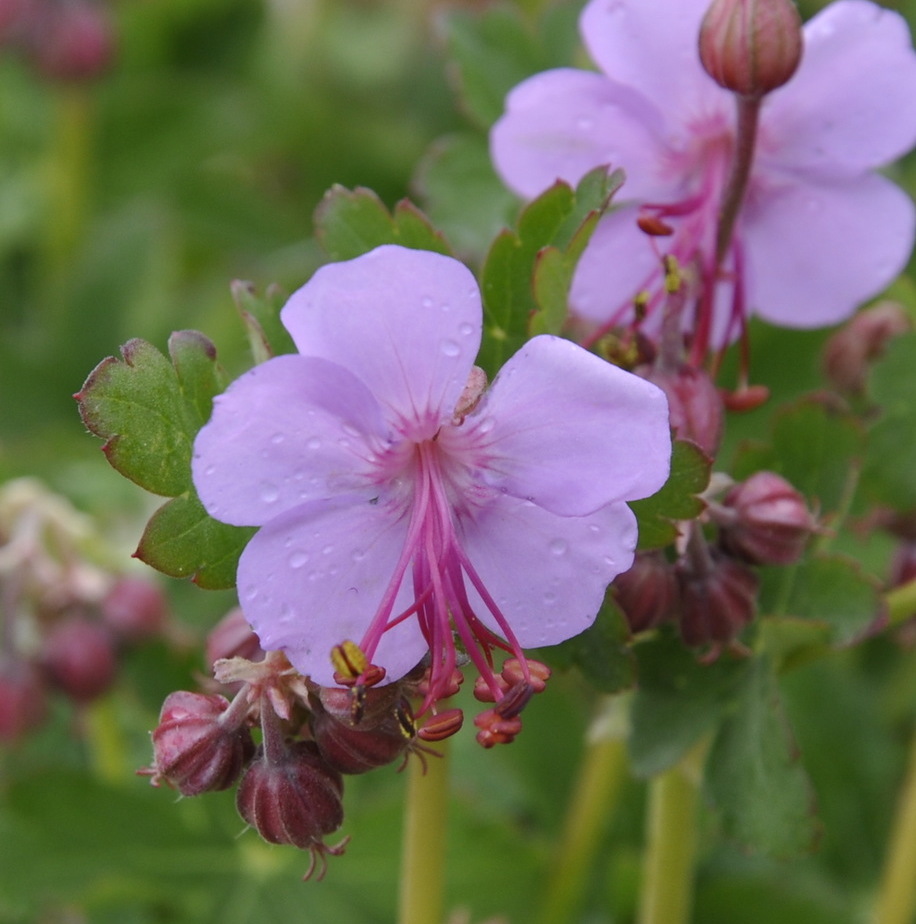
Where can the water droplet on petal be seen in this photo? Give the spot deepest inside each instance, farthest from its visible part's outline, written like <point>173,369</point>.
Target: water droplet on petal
<point>357,554</point>
<point>298,559</point>
<point>314,443</point>
<point>270,494</point>
<point>559,547</point>
<point>251,592</point>
<point>277,439</point>
<point>446,307</point>
<point>594,529</point>
<point>550,598</point>
<point>585,124</point>
<point>286,613</point>
<point>209,471</point>
<point>327,550</point>
<point>350,430</point>
<point>427,302</point>
<point>486,425</point>
<point>450,348</point>
<point>465,329</point>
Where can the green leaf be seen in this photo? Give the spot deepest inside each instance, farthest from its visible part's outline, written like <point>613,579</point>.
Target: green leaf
<point>462,194</point>
<point>677,701</point>
<point>889,474</point>
<point>561,219</point>
<point>754,775</point>
<point>261,317</point>
<point>183,540</point>
<point>827,589</point>
<point>148,410</point>
<point>677,499</point>
<point>349,223</point>
<point>492,53</point>
<point>813,445</point>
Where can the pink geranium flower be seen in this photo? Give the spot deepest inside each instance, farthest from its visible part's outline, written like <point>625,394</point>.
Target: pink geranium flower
<point>399,504</point>
<point>820,231</point>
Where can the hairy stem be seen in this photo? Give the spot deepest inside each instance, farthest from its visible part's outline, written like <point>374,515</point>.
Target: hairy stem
<point>896,903</point>
<point>594,794</point>
<point>668,868</point>
<point>423,851</point>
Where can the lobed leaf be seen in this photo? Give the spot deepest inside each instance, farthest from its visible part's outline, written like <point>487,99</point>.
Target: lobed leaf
<point>677,499</point>
<point>349,223</point>
<point>260,316</point>
<point>754,776</point>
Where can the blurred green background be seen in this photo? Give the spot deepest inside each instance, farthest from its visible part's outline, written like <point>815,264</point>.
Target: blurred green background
<point>128,204</point>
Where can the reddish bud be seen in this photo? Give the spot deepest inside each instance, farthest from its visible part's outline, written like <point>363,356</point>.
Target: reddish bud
<point>232,637</point>
<point>79,658</point>
<point>71,41</point>
<point>295,800</point>
<point>23,699</point>
<point>848,352</point>
<point>647,593</point>
<point>357,749</point>
<point>716,601</point>
<point>903,565</point>
<point>694,404</point>
<point>135,609</point>
<point>771,525</point>
<point>751,46</point>
<point>198,746</point>
<point>360,706</point>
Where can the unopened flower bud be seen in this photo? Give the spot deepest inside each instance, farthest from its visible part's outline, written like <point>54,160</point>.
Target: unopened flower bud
<point>358,749</point>
<point>232,637</point>
<point>198,745</point>
<point>72,41</point>
<point>903,565</point>
<point>849,352</point>
<point>135,609</point>
<point>79,658</point>
<point>718,601</point>
<point>647,593</point>
<point>294,800</point>
<point>772,523</point>
<point>751,46</point>
<point>694,404</point>
<point>23,699</point>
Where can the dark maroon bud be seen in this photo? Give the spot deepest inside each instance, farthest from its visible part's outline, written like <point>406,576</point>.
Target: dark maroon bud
<point>232,637</point>
<point>71,41</point>
<point>717,600</point>
<point>360,706</point>
<point>849,352</point>
<point>294,800</point>
<point>14,19</point>
<point>79,658</point>
<point>23,699</point>
<point>751,46</point>
<point>771,523</point>
<point>201,743</point>
<point>647,593</point>
<point>135,609</point>
<point>694,404</point>
<point>358,749</point>
<point>903,565</point>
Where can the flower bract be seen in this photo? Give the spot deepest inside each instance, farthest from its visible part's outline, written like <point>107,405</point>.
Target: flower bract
<point>403,507</point>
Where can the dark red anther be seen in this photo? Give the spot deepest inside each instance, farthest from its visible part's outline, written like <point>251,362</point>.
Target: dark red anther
<point>537,676</point>
<point>483,691</point>
<point>746,398</point>
<point>653,226</point>
<point>515,700</point>
<point>496,729</point>
<point>442,725</point>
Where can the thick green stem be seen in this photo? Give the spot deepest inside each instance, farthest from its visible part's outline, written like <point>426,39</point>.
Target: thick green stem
<point>901,603</point>
<point>896,902</point>
<point>601,773</point>
<point>668,868</point>
<point>107,750</point>
<point>423,852</point>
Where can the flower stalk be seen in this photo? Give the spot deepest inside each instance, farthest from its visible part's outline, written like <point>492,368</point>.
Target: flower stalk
<point>595,791</point>
<point>671,843</point>
<point>421,898</point>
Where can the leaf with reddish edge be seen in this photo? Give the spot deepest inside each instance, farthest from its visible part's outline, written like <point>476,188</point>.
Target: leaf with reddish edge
<point>261,317</point>
<point>183,540</point>
<point>677,500</point>
<point>148,410</point>
<point>349,223</point>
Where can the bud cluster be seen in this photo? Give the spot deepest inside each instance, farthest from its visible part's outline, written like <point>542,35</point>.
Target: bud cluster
<point>67,41</point>
<point>290,784</point>
<point>66,616</point>
<point>710,591</point>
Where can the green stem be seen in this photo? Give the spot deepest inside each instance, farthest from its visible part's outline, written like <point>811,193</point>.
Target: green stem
<point>901,603</point>
<point>601,774</point>
<point>107,752</point>
<point>423,852</point>
<point>896,902</point>
<point>667,891</point>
